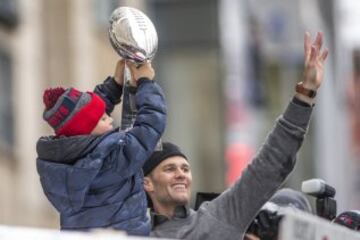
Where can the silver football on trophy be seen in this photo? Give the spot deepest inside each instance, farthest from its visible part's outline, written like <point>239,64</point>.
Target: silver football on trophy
<point>132,34</point>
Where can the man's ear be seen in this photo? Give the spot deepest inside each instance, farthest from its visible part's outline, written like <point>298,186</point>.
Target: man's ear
<point>148,185</point>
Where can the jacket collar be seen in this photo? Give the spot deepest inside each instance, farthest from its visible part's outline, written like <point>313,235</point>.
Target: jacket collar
<point>157,219</point>
<point>68,150</point>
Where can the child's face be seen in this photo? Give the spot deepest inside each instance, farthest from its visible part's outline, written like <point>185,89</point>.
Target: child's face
<point>104,125</point>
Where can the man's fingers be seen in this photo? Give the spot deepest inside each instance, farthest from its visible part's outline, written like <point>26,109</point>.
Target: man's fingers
<point>307,46</point>
<point>324,55</point>
<point>318,40</point>
<point>313,54</point>
<point>307,42</point>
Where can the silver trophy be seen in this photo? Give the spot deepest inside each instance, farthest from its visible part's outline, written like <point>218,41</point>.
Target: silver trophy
<point>134,38</point>
<point>133,35</point>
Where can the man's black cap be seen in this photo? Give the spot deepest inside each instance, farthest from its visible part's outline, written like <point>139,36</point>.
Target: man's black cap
<point>168,150</point>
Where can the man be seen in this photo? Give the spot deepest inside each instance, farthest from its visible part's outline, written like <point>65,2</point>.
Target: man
<point>168,175</point>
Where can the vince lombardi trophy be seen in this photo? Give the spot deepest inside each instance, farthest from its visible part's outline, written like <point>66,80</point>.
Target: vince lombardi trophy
<point>134,38</point>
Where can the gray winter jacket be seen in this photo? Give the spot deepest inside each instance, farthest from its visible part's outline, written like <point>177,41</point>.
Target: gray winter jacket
<point>229,215</point>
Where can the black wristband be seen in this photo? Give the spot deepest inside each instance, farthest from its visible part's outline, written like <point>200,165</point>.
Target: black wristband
<point>301,103</point>
<point>305,91</point>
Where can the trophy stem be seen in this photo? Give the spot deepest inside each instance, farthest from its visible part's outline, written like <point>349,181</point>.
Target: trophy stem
<point>129,110</point>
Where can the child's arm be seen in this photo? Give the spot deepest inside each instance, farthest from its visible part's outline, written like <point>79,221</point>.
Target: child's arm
<point>111,89</point>
<point>141,140</point>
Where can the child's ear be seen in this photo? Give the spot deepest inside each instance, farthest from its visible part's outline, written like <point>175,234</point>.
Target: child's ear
<point>148,185</point>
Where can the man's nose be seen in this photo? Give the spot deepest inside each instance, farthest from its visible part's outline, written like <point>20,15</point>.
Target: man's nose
<point>180,173</point>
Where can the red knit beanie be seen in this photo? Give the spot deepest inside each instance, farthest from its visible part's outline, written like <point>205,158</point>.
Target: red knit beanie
<point>71,112</point>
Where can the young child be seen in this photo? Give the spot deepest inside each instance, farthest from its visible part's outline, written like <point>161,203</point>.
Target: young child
<point>90,172</point>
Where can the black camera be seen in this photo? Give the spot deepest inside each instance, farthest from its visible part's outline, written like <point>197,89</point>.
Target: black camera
<point>266,223</point>
<point>326,206</point>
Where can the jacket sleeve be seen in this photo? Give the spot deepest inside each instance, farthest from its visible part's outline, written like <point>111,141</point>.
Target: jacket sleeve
<point>140,141</point>
<point>238,205</point>
<point>110,92</point>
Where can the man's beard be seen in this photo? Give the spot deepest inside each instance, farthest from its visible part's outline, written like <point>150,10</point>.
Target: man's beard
<point>175,200</point>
